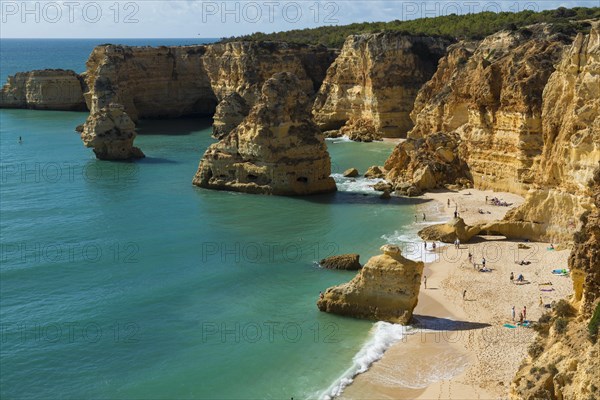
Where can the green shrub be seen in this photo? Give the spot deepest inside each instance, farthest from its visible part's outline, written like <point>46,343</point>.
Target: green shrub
<point>535,349</point>
<point>594,325</point>
<point>560,325</point>
<point>468,26</point>
<point>563,309</point>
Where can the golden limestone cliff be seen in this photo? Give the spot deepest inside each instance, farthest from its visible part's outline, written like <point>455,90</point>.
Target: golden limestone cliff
<point>571,142</point>
<point>372,85</point>
<point>49,89</point>
<point>277,149</point>
<point>515,112</point>
<point>238,70</point>
<point>110,132</point>
<point>149,82</point>
<point>564,362</point>
<point>170,82</point>
<point>385,289</point>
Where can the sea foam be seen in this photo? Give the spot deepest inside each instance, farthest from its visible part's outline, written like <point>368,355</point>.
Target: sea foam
<point>381,337</point>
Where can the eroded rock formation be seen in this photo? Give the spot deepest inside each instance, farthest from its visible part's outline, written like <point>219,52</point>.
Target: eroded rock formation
<point>243,68</point>
<point>565,360</point>
<point>372,85</point>
<point>110,133</point>
<point>385,289</point>
<point>449,232</point>
<point>348,262</point>
<point>277,149</point>
<point>518,112</point>
<point>48,89</point>
<point>150,82</point>
<point>571,142</point>
<point>230,112</point>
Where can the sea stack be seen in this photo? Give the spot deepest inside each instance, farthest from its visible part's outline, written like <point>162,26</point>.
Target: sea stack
<point>110,132</point>
<point>386,289</point>
<point>277,149</point>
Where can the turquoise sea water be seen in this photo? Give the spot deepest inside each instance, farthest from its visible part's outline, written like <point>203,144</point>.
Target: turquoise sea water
<point>122,280</point>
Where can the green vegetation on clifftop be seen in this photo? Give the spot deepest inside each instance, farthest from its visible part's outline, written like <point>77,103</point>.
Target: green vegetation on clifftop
<point>470,26</point>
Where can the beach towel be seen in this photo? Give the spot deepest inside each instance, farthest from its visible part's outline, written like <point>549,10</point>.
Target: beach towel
<point>509,326</point>
<point>547,290</point>
<point>545,284</point>
<point>549,249</point>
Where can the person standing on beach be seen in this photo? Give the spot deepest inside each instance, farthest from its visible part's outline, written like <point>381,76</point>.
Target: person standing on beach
<point>448,203</point>
<point>525,312</point>
<point>541,302</point>
<point>464,294</point>
<point>521,318</point>
<point>513,313</point>
<point>470,257</point>
<point>425,281</point>
<point>512,278</point>
<point>483,262</point>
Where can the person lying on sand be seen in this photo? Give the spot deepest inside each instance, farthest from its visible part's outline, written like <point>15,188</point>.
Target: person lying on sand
<point>523,262</point>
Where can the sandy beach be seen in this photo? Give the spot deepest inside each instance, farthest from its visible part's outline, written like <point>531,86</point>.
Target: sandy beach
<point>459,348</point>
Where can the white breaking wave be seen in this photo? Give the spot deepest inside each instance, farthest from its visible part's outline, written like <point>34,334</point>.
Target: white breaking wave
<point>356,185</point>
<point>382,336</point>
<point>341,139</point>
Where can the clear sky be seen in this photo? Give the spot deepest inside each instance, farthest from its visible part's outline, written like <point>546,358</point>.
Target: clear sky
<point>213,19</point>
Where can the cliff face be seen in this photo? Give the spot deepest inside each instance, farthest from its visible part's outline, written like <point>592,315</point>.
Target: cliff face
<point>375,80</point>
<point>565,360</point>
<point>277,149</point>
<point>571,141</point>
<point>386,289</point>
<point>49,89</point>
<point>516,112</point>
<point>150,82</point>
<point>243,68</point>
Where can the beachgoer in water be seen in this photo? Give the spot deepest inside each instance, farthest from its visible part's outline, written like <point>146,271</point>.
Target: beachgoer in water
<point>321,295</point>
<point>415,218</point>
<point>424,218</point>
<point>20,139</point>
<point>433,246</point>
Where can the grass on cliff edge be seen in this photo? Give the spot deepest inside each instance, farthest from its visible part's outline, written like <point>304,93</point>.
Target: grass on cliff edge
<point>470,26</point>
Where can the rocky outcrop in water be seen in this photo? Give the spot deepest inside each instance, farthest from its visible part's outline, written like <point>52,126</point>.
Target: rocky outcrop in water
<point>348,262</point>
<point>110,133</point>
<point>386,289</point>
<point>48,89</point>
<point>372,85</point>
<point>564,361</point>
<point>277,149</point>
